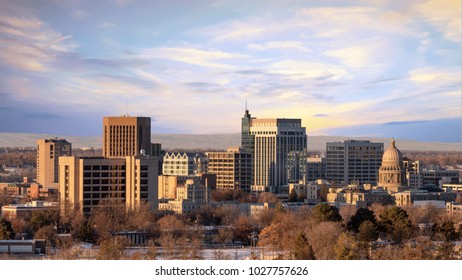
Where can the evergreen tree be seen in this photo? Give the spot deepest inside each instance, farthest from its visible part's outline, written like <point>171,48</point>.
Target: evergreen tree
<point>6,230</point>
<point>302,249</point>
<point>396,224</point>
<point>347,248</point>
<point>326,213</point>
<point>362,215</point>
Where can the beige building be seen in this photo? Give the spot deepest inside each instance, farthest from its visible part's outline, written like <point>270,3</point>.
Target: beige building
<point>352,195</point>
<point>168,184</point>
<point>233,168</point>
<point>392,175</point>
<point>299,188</point>
<point>48,153</point>
<point>126,136</point>
<point>182,164</point>
<point>24,211</point>
<point>253,210</point>
<point>191,194</point>
<point>454,208</point>
<point>408,197</point>
<point>279,152</point>
<point>129,180</point>
<point>353,161</point>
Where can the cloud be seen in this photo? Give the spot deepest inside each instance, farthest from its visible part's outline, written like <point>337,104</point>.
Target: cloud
<point>28,44</point>
<point>121,3</point>
<point>444,15</point>
<point>20,22</point>
<point>203,58</point>
<point>307,69</point>
<point>107,25</point>
<point>405,122</point>
<point>431,74</point>
<point>79,14</point>
<point>279,45</point>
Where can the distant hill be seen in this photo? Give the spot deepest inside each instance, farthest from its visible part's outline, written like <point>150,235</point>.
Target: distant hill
<point>215,141</point>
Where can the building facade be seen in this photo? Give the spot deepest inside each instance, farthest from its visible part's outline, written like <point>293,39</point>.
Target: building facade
<point>87,182</point>
<point>233,168</point>
<point>126,136</point>
<point>316,168</point>
<point>48,153</point>
<point>168,184</point>
<point>190,195</point>
<point>183,164</point>
<point>247,139</point>
<point>439,176</point>
<point>353,161</point>
<point>280,147</point>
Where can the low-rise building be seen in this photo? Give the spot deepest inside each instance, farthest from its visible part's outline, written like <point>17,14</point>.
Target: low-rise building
<point>183,164</point>
<point>439,176</point>
<point>25,211</point>
<point>190,196</point>
<point>454,208</point>
<point>407,198</point>
<point>354,195</point>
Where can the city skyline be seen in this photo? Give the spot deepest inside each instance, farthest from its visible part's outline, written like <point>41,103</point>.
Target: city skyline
<point>366,68</point>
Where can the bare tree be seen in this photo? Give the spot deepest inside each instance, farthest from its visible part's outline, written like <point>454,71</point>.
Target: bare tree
<point>322,237</point>
<point>224,235</point>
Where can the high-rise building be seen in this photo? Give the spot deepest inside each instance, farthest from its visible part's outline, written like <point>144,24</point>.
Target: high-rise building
<point>48,153</point>
<point>126,136</point>
<point>353,161</point>
<point>279,152</point>
<point>233,168</point>
<point>247,139</point>
<point>128,180</point>
<point>127,173</point>
<point>316,168</point>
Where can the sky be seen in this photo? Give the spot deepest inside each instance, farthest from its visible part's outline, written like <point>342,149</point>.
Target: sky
<point>375,68</point>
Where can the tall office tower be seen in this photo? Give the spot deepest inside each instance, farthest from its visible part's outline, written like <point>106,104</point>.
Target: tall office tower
<point>87,181</point>
<point>279,152</point>
<point>48,153</point>
<point>233,168</point>
<point>247,139</point>
<point>353,161</point>
<point>126,136</point>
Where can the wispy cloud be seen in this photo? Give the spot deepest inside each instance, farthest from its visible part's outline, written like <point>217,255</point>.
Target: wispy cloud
<point>335,66</point>
<point>107,25</point>
<point>444,15</point>
<point>279,45</point>
<point>204,58</point>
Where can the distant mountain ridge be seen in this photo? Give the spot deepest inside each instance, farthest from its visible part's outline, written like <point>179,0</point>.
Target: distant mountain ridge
<point>215,141</point>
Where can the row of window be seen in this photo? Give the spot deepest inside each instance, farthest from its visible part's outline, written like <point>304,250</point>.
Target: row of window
<point>104,167</point>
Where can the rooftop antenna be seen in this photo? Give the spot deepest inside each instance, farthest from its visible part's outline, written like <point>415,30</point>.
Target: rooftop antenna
<point>126,106</point>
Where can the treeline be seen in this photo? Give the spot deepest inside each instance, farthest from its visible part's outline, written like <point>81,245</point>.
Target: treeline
<point>322,232</point>
<point>376,233</point>
<point>435,158</point>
